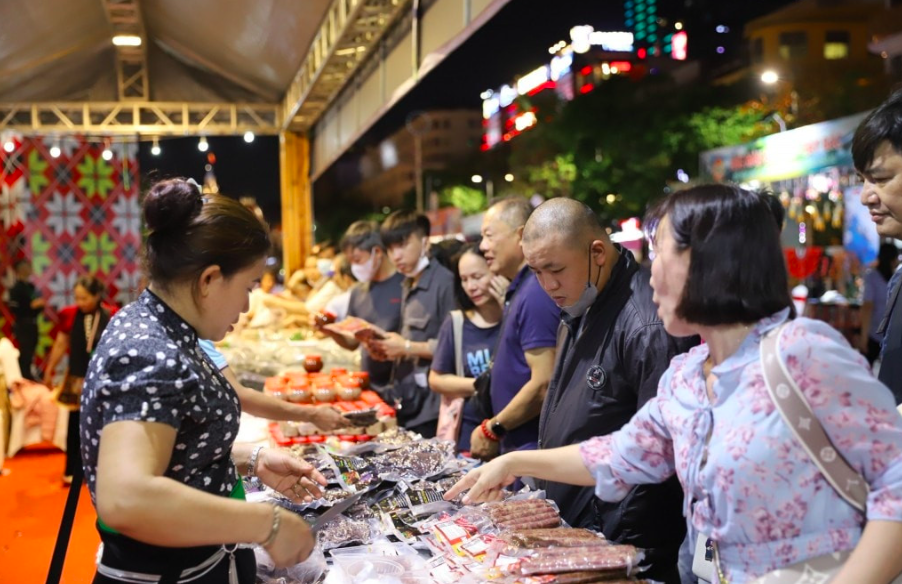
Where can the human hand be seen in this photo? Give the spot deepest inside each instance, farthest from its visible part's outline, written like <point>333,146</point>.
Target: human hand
<point>48,379</point>
<point>327,418</point>
<point>484,483</point>
<point>481,447</point>
<point>294,478</point>
<point>498,288</point>
<point>314,322</point>
<point>293,543</point>
<point>392,346</point>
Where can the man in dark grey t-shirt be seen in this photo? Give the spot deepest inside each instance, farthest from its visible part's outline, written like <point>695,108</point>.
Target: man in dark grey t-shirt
<point>376,298</point>
<point>428,297</point>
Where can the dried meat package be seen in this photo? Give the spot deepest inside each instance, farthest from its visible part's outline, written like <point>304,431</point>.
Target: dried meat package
<point>582,577</point>
<point>610,558</point>
<point>344,531</point>
<point>350,325</point>
<point>519,542</point>
<point>524,514</point>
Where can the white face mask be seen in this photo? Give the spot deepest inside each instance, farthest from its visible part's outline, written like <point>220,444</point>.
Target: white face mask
<point>421,263</point>
<point>364,272</point>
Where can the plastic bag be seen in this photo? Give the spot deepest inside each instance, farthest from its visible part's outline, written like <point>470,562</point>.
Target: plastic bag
<point>307,572</point>
<point>343,531</point>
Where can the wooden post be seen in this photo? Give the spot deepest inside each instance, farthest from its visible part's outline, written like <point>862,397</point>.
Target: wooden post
<point>297,201</point>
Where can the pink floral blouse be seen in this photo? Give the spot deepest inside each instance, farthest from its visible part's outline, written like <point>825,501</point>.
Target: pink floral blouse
<point>759,495</point>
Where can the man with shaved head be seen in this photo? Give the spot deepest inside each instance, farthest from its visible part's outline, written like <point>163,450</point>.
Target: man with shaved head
<point>524,358</point>
<point>611,352</point>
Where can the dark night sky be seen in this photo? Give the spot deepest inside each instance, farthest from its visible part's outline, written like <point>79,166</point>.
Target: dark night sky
<point>514,42</point>
<point>241,168</point>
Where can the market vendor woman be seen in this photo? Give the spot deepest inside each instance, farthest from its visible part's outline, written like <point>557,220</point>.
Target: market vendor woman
<point>159,422</point>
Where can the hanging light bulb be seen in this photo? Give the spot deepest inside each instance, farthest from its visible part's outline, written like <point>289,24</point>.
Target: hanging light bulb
<point>202,144</point>
<point>9,146</point>
<point>249,136</point>
<point>107,154</point>
<point>55,150</point>
<point>155,149</point>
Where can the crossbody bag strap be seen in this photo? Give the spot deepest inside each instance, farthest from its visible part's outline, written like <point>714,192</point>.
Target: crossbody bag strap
<point>797,413</point>
<point>457,328</point>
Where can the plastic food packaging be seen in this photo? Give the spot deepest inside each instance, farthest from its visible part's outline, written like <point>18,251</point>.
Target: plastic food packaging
<point>380,562</point>
<point>343,531</point>
<point>323,394</point>
<point>613,558</point>
<point>325,318</point>
<point>307,572</point>
<point>313,363</point>
<point>518,540</point>
<point>300,395</point>
<point>524,514</point>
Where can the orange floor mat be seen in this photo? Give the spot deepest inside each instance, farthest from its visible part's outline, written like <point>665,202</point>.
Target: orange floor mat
<point>32,498</point>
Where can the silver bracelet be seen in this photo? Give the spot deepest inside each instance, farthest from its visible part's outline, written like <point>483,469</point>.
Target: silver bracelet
<point>252,466</point>
<point>276,524</point>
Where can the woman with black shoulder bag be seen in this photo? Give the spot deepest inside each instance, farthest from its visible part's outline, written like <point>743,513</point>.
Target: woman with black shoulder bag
<point>466,342</point>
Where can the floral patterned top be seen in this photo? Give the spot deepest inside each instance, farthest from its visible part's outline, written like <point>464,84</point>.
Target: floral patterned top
<point>752,487</point>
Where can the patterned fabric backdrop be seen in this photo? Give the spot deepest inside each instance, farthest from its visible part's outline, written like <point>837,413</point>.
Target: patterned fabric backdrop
<point>73,215</point>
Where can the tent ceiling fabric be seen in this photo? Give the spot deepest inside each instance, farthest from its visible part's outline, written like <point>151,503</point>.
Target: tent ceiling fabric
<point>198,50</point>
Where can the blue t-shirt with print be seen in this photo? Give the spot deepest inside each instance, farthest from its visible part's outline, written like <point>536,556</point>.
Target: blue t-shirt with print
<point>477,346</point>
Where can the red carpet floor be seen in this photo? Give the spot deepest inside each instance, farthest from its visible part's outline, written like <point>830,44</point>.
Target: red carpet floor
<point>32,498</point>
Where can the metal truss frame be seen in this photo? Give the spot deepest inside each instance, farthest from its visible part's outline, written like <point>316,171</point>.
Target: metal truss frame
<point>350,32</point>
<point>143,118</point>
<point>131,62</point>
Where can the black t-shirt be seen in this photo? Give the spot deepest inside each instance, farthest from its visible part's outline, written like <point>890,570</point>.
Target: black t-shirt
<point>20,297</point>
<point>82,327</point>
<point>477,345</point>
<point>378,303</point>
<point>148,367</point>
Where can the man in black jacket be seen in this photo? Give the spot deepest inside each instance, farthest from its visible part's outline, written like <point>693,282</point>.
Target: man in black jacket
<point>612,350</point>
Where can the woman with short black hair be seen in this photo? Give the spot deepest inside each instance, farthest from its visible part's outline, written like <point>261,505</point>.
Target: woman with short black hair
<point>159,421</point>
<point>751,487</point>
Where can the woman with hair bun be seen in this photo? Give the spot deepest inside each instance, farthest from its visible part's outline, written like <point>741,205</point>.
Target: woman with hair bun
<point>159,420</point>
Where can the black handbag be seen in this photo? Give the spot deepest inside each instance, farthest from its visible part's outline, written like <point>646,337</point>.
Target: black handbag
<point>482,398</point>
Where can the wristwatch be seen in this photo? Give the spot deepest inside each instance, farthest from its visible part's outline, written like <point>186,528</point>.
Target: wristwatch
<point>497,429</point>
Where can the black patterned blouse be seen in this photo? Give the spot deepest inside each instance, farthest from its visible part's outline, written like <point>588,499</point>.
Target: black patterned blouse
<point>148,368</point>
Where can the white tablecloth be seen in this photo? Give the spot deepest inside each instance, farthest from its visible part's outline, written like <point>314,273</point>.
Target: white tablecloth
<point>19,435</point>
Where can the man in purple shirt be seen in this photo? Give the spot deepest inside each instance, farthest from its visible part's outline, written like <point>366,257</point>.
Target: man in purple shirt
<point>524,360</point>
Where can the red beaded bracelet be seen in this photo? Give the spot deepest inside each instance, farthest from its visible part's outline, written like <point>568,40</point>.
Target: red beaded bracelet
<point>488,433</point>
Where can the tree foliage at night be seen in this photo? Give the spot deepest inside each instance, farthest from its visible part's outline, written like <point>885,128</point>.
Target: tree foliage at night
<point>628,139</point>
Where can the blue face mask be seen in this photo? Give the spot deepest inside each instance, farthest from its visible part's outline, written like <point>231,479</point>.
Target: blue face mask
<point>590,293</point>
